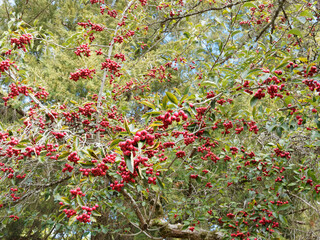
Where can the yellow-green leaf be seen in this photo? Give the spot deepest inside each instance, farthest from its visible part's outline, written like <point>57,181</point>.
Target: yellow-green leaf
<point>172,98</point>
<point>148,104</point>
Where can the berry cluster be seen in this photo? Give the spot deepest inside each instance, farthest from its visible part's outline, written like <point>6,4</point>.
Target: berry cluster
<point>152,180</point>
<point>112,66</point>
<point>85,217</point>
<point>15,90</point>
<point>210,94</point>
<point>43,94</point>
<point>73,157</point>
<point>69,212</point>
<point>181,154</point>
<point>76,192</point>
<point>14,217</point>
<point>59,135</point>
<point>259,94</point>
<point>167,119</point>
<point>282,154</point>
<point>109,158</point>
<point>97,1</point>
<point>5,65</point>
<point>112,13</point>
<point>292,65</point>
<point>194,176</point>
<point>82,73</point>
<point>120,56</point>
<point>22,41</point>
<point>84,48</point>
<point>14,198</point>
<point>313,70</point>
<point>227,126</point>
<point>117,186</point>
<point>100,170</point>
<point>68,168</point>
<point>143,2</point>
<point>131,145</point>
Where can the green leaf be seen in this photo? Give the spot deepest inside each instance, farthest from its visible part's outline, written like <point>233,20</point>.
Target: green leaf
<point>115,143</point>
<point>178,91</point>
<point>255,70</point>
<point>198,179</point>
<point>95,213</point>
<point>295,32</point>
<point>249,5</point>
<point>156,123</point>
<point>164,102</point>
<point>86,163</point>
<point>284,63</point>
<point>186,34</point>
<point>283,219</point>
<point>65,200</point>
<point>41,159</point>
<point>185,227</point>
<point>63,155</point>
<point>279,131</point>
<point>186,90</point>
<point>172,98</point>
<point>60,217</point>
<point>80,201</point>
<point>183,98</point>
<point>311,175</point>
<point>160,183</point>
<point>130,163</point>
<point>148,104</point>
<point>283,207</point>
<point>72,219</point>
<point>317,122</point>
<point>306,13</point>
<point>235,32</point>
<point>24,141</point>
<point>153,113</point>
<point>92,153</point>
<point>93,219</point>
<point>126,126</point>
<point>253,101</point>
<point>254,110</point>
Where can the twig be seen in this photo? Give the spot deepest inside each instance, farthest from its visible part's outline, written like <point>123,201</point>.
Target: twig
<point>103,81</point>
<point>202,11</point>
<point>305,202</point>
<point>109,56</point>
<point>272,21</point>
<point>136,208</point>
<point>226,42</point>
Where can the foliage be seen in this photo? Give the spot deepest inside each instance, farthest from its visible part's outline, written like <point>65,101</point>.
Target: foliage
<point>160,119</point>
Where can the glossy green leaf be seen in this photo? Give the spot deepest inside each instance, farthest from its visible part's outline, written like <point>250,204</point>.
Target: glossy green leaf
<point>148,104</point>
<point>172,98</point>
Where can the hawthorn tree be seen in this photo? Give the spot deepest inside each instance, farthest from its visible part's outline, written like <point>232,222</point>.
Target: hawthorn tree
<point>167,119</point>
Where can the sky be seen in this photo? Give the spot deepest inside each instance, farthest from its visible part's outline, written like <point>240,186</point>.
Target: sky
<point>11,1</point>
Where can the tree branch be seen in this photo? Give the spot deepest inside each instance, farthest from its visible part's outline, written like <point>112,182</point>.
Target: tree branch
<point>201,11</point>
<point>168,230</point>
<point>314,208</point>
<point>103,81</point>
<point>228,38</point>
<point>143,223</point>
<point>272,21</point>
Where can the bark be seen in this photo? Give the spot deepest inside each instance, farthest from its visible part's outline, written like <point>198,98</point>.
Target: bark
<point>168,230</point>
